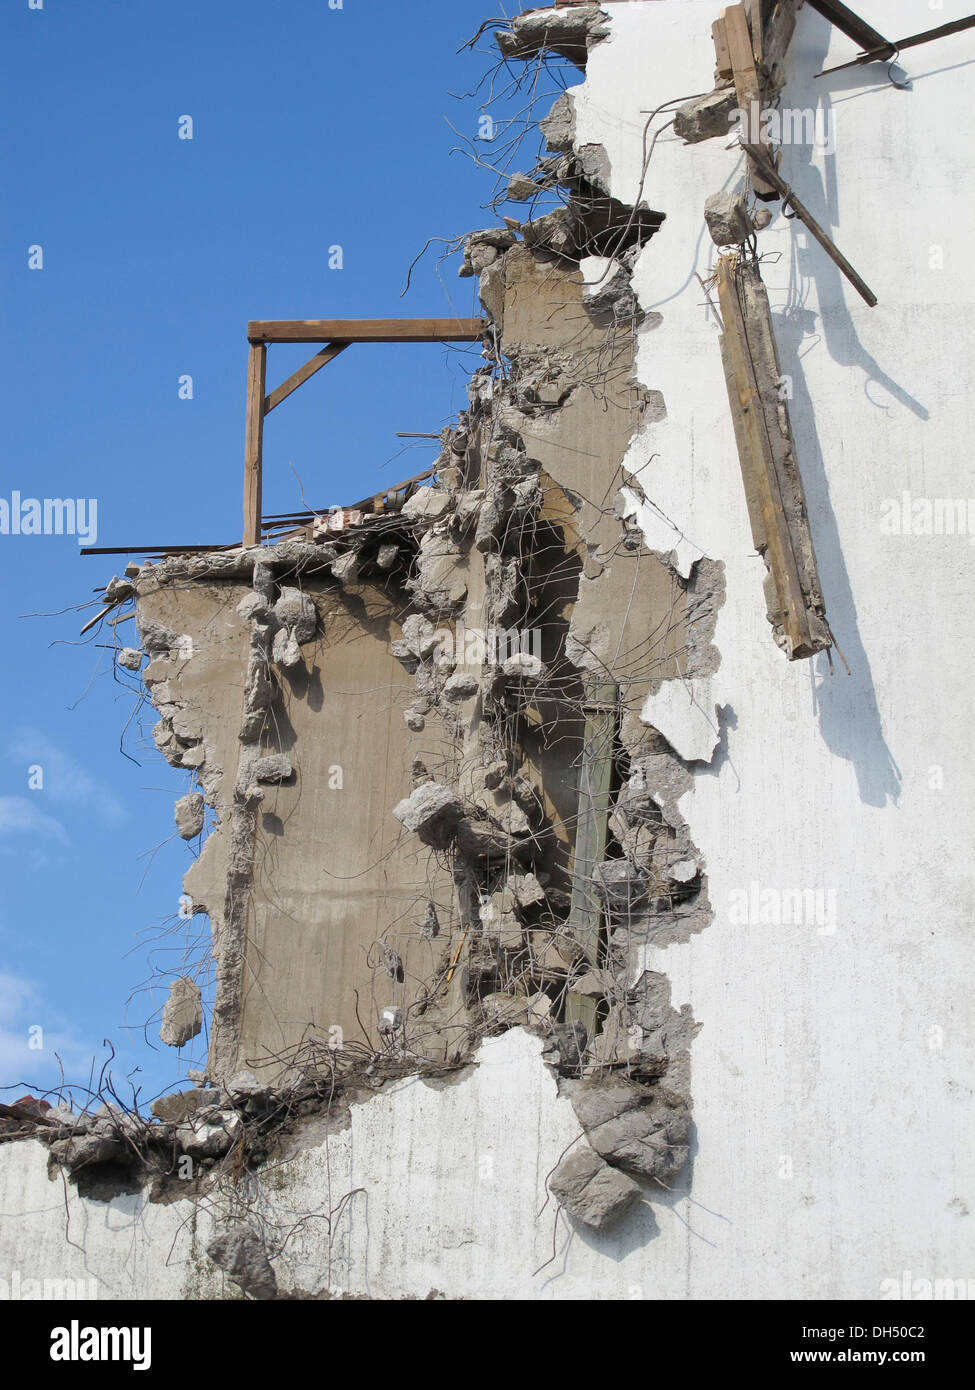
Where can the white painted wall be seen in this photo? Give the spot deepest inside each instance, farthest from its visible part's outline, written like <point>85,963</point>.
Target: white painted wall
<point>831,1076</point>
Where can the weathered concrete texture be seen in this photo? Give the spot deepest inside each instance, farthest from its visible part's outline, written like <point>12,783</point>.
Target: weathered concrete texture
<point>182,1016</point>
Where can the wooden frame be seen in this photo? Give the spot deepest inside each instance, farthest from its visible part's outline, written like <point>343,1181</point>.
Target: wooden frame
<point>336,335</point>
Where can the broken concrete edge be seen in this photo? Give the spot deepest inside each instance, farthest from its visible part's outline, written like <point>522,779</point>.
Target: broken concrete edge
<point>657,890</point>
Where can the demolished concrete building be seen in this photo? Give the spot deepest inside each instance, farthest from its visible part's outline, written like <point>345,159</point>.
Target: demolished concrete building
<point>536,920</point>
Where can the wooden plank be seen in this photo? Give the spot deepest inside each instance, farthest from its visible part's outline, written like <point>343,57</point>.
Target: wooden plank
<point>595,781</point>
<point>722,52</point>
<point>852,25</point>
<point>749,91</point>
<point>366,330</point>
<point>779,29</point>
<point>753,13</point>
<point>789,199</point>
<point>759,474</point>
<point>298,378</point>
<point>254,442</point>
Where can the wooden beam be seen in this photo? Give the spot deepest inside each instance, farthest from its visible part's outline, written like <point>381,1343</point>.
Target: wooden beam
<point>789,199</point>
<point>766,453</point>
<point>722,54</point>
<point>595,781</point>
<point>254,442</point>
<point>878,54</point>
<point>753,13</point>
<point>749,92</point>
<point>779,29</point>
<point>298,378</point>
<point>366,330</point>
<point>852,25</point>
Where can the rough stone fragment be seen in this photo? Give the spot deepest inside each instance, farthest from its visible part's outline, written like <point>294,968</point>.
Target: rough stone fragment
<point>521,188</point>
<point>415,721</point>
<point>202,1138</point>
<point>726,214</point>
<point>706,117</point>
<point>559,126</point>
<point>420,635</point>
<point>427,504</point>
<point>182,1016</point>
<point>527,890</point>
<point>569,33</point>
<point>240,1253</point>
<point>130,658</point>
<point>83,1150</point>
<point>386,556</point>
<point>188,813</point>
<point>629,1127</point>
<point>460,686</point>
<point>175,1108</point>
<point>253,606</point>
<point>346,567</point>
<point>431,811</point>
<point>525,667</point>
<point>591,1191</point>
<point>286,652</point>
<point>295,610</point>
<point>244,1085</point>
<point>275,767</point>
<point>430,927</point>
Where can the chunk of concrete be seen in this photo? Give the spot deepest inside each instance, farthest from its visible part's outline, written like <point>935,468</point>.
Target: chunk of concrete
<point>182,1016</point>
<point>386,556</point>
<point>524,667</point>
<point>130,658</point>
<point>460,686</point>
<point>591,1191</point>
<point>346,567</point>
<point>275,767</point>
<point>295,610</point>
<point>240,1253</point>
<point>253,606</point>
<point>285,651</point>
<point>189,813</point>
<point>521,189</point>
<point>427,504</point>
<point>431,811</point>
<point>727,217</point>
<point>706,117</point>
<point>209,1139</point>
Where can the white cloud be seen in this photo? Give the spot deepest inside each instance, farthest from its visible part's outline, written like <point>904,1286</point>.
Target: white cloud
<point>66,782</point>
<point>25,1067</point>
<point>21,816</point>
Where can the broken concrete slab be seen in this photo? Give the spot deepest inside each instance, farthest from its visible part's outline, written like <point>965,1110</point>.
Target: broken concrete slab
<point>189,815</point>
<point>274,767</point>
<point>240,1253</point>
<point>182,1016</point>
<point>428,504</point>
<point>431,811</point>
<point>726,214</point>
<point>568,33</point>
<point>591,1191</point>
<point>706,117</point>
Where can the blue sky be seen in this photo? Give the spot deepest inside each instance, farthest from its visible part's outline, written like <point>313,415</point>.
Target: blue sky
<point>313,127</point>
